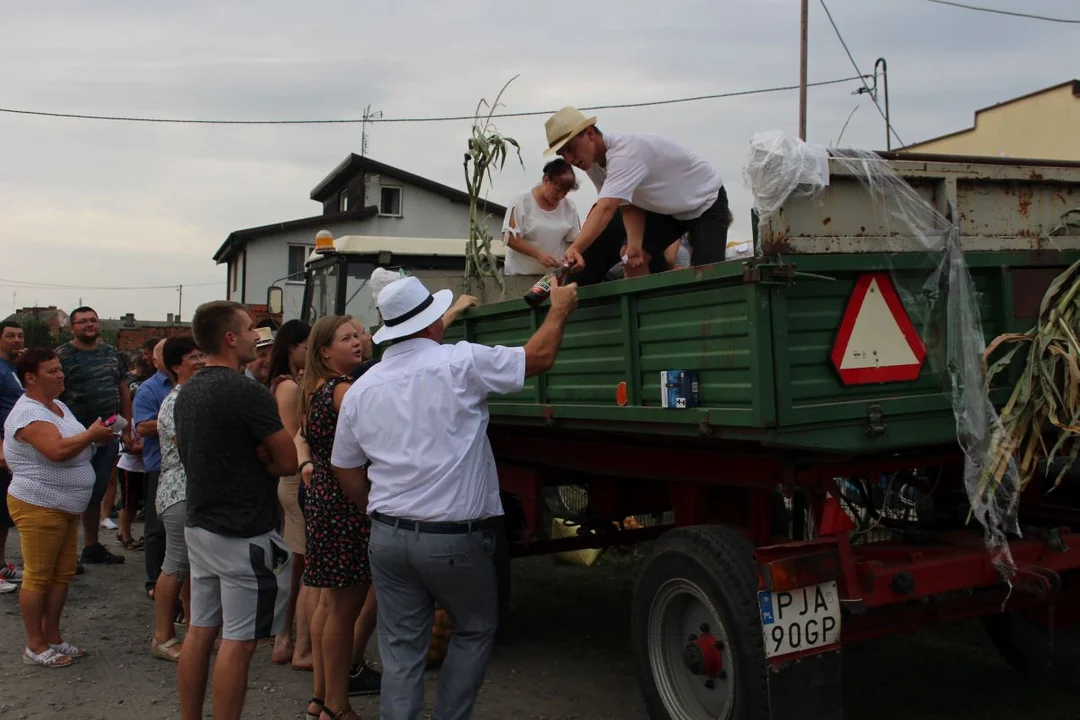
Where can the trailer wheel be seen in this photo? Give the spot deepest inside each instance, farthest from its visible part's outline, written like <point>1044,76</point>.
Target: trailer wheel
<point>697,629</point>
<point>1031,649</point>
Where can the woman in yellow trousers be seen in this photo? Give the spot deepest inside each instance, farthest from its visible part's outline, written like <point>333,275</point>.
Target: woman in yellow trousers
<point>48,452</point>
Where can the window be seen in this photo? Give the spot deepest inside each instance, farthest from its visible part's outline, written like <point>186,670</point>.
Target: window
<point>323,299</point>
<point>298,255</point>
<point>390,201</point>
<point>343,201</point>
<point>236,275</point>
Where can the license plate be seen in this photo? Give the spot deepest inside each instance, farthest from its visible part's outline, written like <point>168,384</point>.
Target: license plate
<point>799,620</point>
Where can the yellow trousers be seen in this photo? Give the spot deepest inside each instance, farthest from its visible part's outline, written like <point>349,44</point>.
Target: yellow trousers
<point>49,541</point>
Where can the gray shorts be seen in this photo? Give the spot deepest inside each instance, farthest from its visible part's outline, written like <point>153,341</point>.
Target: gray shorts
<point>239,584</point>
<point>173,519</point>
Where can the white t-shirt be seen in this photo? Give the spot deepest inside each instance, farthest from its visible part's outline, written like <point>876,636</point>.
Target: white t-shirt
<point>420,416</point>
<point>655,174</point>
<point>35,479</point>
<point>551,231</point>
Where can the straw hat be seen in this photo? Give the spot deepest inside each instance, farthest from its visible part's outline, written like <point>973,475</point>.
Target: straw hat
<point>563,126</point>
<point>266,337</point>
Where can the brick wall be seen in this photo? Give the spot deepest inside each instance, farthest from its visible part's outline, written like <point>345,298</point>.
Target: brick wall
<point>130,339</point>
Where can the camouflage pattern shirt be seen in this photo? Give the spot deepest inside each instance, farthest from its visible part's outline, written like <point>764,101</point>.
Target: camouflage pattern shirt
<point>91,381</point>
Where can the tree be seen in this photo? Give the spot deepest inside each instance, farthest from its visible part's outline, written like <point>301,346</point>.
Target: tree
<point>37,334</point>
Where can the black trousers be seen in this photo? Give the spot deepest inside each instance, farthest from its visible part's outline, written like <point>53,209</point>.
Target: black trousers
<point>708,241</point>
<point>153,533</point>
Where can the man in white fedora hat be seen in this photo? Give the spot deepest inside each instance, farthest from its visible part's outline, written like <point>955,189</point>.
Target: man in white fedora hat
<point>415,425</point>
<point>660,189</point>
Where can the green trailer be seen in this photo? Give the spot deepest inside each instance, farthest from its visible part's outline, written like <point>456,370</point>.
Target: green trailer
<point>817,467</point>
<point>759,334</point>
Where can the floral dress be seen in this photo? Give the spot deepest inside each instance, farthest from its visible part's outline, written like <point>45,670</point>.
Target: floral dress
<point>337,531</point>
<point>172,482</point>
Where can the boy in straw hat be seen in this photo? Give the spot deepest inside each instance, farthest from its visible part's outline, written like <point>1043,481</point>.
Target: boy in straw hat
<point>661,190</point>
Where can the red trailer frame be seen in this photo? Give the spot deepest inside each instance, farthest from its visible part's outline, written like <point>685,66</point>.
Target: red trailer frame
<point>895,586</point>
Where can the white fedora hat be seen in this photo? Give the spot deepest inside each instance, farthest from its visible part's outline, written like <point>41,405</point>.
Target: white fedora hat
<point>407,308</point>
<point>563,126</point>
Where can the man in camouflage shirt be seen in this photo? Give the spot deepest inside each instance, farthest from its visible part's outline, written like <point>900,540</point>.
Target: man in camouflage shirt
<point>94,387</point>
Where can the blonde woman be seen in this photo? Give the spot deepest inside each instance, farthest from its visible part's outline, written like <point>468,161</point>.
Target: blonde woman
<point>337,526</point>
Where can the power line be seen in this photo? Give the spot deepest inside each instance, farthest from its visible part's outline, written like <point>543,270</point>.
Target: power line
<point>30,285</point>
<point>862,78</point>
<point>531,113</point>
<point>1013,13</point>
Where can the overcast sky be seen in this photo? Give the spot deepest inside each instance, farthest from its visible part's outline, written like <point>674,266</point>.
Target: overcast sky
<point>121,204</point>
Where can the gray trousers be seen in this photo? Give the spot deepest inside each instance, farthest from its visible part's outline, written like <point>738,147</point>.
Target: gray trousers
<point>412,571</point>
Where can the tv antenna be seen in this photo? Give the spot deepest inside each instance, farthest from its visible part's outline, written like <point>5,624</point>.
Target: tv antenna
<point>368,117</point>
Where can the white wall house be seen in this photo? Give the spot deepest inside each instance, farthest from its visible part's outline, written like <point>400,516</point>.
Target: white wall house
<point>360,197</point>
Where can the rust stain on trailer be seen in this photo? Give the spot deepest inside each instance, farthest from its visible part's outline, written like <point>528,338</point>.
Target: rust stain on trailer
<point>779,244</point>
<point>1024,203</point>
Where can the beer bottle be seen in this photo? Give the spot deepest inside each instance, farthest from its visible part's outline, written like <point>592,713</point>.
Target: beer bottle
<point>539,292</point>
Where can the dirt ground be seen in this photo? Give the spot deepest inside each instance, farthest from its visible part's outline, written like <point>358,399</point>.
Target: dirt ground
<point>566,656</point>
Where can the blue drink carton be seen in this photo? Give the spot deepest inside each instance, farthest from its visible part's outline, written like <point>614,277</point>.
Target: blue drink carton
<point>679,389</point>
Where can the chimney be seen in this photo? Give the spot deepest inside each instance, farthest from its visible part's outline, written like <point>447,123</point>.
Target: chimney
<point>169,318</point>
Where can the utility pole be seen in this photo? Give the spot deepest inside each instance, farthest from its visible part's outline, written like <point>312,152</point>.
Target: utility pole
<point>180,305</point>
<point>802,68</point>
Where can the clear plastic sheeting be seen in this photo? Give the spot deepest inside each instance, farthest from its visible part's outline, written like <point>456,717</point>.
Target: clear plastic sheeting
<point>781,167</point>
<point>380,278</point>
<point>941,299</point>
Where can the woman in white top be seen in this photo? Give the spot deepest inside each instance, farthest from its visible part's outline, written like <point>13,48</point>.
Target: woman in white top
<point>49,453</point>
<point>540,224</point>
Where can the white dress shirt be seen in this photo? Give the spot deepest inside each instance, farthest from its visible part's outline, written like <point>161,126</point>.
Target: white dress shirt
<point>420,417</point>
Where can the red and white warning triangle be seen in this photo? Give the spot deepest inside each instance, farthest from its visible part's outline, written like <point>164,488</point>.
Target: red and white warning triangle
<point>877,342</point>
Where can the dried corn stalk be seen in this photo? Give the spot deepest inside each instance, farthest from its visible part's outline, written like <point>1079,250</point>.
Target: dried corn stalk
<point>487,150</point>
<point>1046,399</point>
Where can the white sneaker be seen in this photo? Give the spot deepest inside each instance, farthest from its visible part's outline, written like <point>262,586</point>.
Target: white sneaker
<point>6,587</point>
<point>109,524</point>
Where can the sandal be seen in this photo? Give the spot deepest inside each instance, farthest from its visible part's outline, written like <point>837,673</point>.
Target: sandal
<point>49,658</point>
<point>165,650</point>
<point>308,715</point>
<point>135,545</point>
<point>349,714</point>
<point>68,650</point>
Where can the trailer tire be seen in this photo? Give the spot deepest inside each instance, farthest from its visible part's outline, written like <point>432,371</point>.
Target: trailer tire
<point>1029,648</point>
<point>690,574</point>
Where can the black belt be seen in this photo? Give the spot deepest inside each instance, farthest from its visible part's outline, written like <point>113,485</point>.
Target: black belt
<point>437,528</point>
